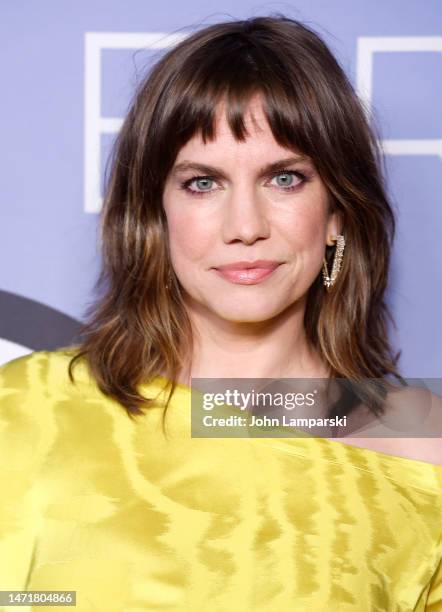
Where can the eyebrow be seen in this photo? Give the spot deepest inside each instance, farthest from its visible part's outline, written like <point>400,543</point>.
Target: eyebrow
<point>213,171</point>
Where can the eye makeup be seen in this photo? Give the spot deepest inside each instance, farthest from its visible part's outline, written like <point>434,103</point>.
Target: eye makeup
<point>303,178</point>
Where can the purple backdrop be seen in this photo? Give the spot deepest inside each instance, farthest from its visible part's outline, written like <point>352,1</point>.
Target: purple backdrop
<point>66,87</point>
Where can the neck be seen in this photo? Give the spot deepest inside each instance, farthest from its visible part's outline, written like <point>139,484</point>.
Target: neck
<point>275,348</point>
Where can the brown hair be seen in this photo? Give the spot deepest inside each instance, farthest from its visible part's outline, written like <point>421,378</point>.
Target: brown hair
<point>138,329</point>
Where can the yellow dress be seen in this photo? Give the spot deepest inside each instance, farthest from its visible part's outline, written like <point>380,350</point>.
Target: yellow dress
<point>134,521</point>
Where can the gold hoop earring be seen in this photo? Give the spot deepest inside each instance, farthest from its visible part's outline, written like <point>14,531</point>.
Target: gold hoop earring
<point>329,281</point>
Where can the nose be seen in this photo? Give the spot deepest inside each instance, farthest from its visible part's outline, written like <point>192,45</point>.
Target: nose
<point>245,217</point>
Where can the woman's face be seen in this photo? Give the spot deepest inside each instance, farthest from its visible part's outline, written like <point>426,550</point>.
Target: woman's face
<point>224,204</point>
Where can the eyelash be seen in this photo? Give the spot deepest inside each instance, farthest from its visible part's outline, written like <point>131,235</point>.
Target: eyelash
<point>185,185</point>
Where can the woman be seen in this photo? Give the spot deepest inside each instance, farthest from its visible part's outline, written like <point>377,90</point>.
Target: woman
<point>245,233</point>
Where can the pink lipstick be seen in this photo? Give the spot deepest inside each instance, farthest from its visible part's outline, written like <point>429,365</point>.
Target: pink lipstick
<point>247,272</point>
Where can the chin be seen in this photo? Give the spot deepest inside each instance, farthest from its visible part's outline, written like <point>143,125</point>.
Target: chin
<point>247,312</point>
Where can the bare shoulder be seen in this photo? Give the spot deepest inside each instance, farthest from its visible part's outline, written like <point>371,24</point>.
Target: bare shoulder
<point>418,449</point>
<point>418,413</point>
<point>421,449</point>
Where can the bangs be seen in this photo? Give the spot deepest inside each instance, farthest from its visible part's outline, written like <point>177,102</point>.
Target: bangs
<point>229,74</point>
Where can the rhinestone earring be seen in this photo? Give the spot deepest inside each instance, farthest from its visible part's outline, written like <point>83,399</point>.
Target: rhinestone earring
<point>329,281</point>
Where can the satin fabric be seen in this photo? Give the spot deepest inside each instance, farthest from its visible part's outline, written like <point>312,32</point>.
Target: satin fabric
<point>134,520</point>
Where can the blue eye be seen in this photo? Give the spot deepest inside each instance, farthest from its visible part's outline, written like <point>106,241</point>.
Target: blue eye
<point>288,177</point>
<point>204,182</point>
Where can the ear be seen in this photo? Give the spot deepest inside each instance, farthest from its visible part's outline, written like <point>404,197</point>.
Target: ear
<point>334,227</point>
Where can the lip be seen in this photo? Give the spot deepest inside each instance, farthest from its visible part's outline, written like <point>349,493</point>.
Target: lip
<point>247,272</point>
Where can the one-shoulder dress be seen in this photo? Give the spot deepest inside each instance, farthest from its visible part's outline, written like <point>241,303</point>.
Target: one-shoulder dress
<point>133,520</point>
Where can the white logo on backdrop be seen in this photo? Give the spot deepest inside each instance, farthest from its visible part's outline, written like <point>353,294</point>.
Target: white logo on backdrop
<point>12,350</point>
<point>95,124</point>
<point>367,47</point>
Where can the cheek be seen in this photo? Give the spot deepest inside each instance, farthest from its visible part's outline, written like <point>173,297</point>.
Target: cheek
<point>189,238</point>
<point>314,237</point>
<point>305,232</point>
<point>183,229</point>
